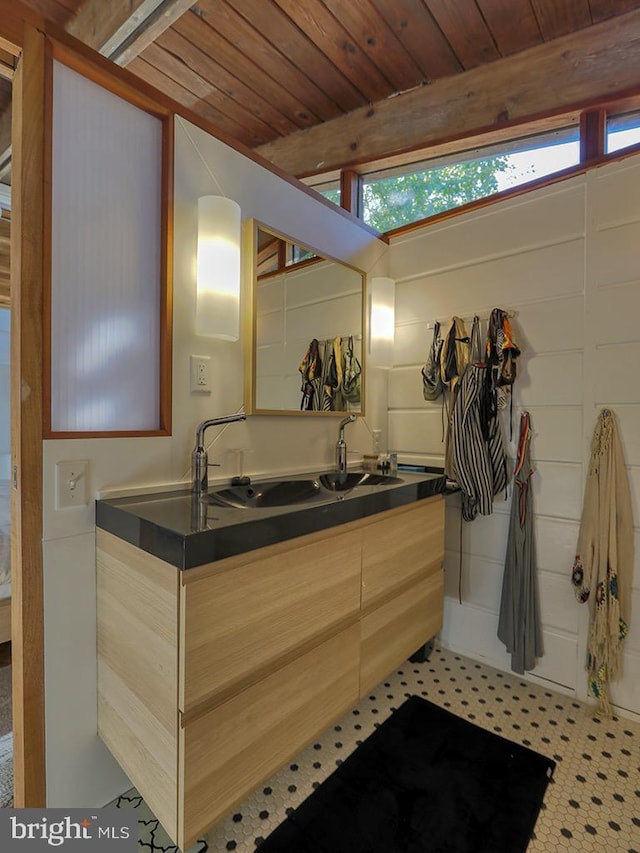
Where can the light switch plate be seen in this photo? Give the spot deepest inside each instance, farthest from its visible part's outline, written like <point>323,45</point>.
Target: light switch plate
<point>71,484</point>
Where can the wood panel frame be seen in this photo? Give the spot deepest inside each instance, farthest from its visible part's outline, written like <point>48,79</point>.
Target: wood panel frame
<point>27,278</point>
<point>351,191</point>
<point>104,77</point>
<point>593,134</point>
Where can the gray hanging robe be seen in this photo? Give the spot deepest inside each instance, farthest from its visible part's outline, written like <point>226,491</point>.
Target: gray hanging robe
<point>519,621</point>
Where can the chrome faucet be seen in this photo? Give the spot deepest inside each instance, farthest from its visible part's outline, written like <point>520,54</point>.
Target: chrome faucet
<point>341,445</point>
<point>199,459</point>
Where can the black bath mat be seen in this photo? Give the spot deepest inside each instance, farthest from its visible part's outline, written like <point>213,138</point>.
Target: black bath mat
<point>425,781</point>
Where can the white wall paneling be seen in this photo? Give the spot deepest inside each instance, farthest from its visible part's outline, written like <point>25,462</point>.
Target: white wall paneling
<point>565,260</point>
<point>634,479</point>
<point>550,379</point>
<point>405,389</point>
<point>488,536</point>
<point>413,431</point>
<point>557,489</point>
<point>412,342</point>
<point>512,228</point>
<point>559,606</point>
<point>612,308</point>
<point>554,432</point>
<point>632,643</point>
<point>473,631</point>
<point>556,543</point>
<point>614,201</point>
<point>613,261</point>
<point>626,692</point>
<point>559,662</point>
<point>551,325</point>
<point>615,376</point>
<point>467,289</point>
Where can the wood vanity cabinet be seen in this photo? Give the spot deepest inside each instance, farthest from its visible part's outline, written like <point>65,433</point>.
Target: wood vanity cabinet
<point>210,679</point>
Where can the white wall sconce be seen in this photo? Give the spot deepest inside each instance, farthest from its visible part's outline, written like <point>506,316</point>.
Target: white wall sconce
<point>382,321</point>
<point>218,268</point>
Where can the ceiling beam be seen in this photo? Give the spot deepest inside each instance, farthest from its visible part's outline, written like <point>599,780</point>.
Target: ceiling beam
<point>14,15</point>
<point>98,24</point>
<point>121,29</point>
<point>15,18</point>
<point>581,69</point>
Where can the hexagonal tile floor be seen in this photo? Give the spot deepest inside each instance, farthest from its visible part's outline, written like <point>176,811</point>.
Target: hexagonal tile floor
<point>592,804</point>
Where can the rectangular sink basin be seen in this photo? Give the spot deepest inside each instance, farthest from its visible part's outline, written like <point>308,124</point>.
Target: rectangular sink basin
<point>341,481</point>
<point>275,493</point>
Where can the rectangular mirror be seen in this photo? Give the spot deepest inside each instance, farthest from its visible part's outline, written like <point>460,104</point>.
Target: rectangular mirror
<point>305,316</point>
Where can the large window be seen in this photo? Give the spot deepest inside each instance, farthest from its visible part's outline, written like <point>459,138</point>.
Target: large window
<point>400,196</point>
<point>330,190</point>
<point>623,131</point>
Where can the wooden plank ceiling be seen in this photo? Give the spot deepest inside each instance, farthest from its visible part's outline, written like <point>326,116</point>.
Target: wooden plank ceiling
<point>262,70</point>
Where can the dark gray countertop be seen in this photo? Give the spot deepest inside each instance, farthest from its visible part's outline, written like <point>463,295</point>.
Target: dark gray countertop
<point>189,532</point>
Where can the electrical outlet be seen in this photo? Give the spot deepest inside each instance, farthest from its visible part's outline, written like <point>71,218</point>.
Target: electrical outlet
<point>71,484</point>
<point>199,373</point>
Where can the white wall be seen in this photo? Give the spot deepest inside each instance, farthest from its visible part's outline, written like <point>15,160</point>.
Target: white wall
<point>80,770</point>
<point>566,260</point>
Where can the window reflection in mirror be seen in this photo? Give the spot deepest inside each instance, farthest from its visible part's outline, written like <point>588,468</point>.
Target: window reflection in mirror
<point>307,330</point>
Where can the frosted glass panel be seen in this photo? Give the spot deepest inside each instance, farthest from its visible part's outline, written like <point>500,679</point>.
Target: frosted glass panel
<point>106,260</point>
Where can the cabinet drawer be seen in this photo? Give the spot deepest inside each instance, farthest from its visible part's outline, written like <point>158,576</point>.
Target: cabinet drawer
<point>398,628</point>
<point>237,745</point>
<point>396,550</point>
<point>241,623</point>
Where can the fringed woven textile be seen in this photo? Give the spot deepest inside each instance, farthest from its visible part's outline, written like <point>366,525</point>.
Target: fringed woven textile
<point>604,557</point>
